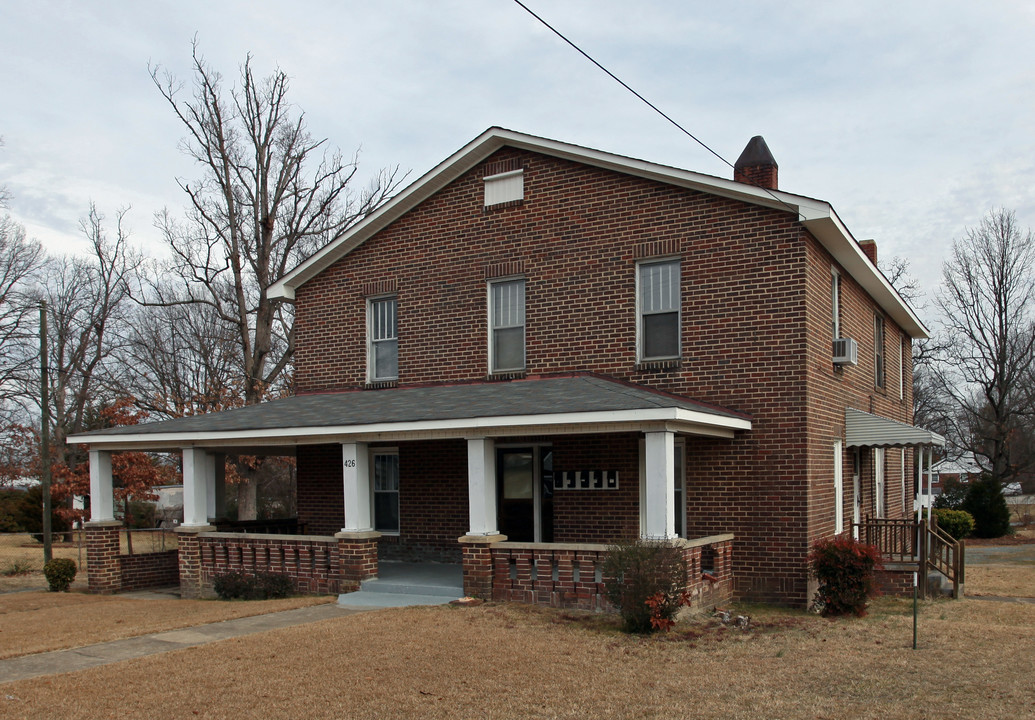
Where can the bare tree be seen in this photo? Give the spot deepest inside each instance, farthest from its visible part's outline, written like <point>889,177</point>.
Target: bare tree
<point>20,260</point>
<point>268,197</point>
<point>986,368</point>
<point>87,299</point>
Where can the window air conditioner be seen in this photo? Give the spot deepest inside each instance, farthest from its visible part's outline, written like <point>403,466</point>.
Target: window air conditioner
<point>846,352</point>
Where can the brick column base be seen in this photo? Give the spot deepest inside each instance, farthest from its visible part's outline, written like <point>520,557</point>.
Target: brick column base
<point>191,579</point>
<point>477,564</point>
<point>357,557</point>
<point>104,572</point>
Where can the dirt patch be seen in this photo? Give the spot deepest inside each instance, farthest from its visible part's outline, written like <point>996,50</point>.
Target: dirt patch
<point>32,622</point>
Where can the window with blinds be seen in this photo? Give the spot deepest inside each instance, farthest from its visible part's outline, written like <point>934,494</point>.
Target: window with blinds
<point>507,325</point>
<point>383,350</point>
<point>658,297</point>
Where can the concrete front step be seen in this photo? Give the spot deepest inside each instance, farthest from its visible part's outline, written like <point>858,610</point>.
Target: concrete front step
<point>400,584</point>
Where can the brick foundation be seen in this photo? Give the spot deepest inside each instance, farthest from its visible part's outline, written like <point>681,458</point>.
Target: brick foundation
<point>358,558</point>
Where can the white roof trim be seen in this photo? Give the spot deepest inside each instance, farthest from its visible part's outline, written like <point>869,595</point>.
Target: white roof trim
<point>819,217</point>
<point>675,419</point>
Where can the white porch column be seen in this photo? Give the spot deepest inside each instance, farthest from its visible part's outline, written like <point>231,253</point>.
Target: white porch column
<point>356,478</point>
<point>659,461</point>
<point>481,486</point>
<point>102,501</point>
<point>197,477</point>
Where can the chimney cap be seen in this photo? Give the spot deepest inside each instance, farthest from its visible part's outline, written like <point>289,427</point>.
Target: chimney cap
<point>755,154</point>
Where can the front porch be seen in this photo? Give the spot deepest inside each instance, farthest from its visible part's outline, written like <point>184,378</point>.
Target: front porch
<point>534,491</point>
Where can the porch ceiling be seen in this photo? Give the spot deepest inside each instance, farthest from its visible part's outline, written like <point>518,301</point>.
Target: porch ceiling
<point>571,404</point>
<point>863,429</point>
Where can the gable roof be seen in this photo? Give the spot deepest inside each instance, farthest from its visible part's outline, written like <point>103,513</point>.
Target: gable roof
<point>815,215</point>
<point>568,403</point>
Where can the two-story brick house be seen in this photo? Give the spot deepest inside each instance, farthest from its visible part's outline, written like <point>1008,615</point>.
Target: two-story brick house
<point>538,348</point>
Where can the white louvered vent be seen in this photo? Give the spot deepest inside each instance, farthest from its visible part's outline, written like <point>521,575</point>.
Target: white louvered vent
<point>504,187</point>
<point>846,352</point>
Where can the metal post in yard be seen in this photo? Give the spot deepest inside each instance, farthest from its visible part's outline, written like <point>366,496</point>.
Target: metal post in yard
<point>48,551</point>
<point>914,610</point>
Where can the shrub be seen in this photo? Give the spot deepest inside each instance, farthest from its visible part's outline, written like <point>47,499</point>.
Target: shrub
<point>235,585</point>
<point>645,580</point>
<point>953,494</point>
<point>987,504</point>
<point>60,572</point>
<point>957,523</point>
<point>845,570</point>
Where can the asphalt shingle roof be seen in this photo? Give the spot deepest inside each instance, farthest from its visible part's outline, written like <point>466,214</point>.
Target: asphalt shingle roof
<point>540,396</point>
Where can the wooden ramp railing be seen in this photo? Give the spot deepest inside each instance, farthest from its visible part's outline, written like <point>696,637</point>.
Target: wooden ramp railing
<point>897,539</point>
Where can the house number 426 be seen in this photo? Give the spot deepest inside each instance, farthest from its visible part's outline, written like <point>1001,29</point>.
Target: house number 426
<point>350,463</point>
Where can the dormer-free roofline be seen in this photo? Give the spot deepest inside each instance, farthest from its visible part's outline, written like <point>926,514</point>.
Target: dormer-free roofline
<point>817,216</point>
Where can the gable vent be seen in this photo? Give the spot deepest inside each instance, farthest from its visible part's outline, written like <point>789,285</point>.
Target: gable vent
<point>846,352</point>
<point>505,187</point>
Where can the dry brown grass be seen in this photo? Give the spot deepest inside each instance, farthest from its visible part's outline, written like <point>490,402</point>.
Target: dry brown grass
<point>32,622</point>
<point>512,661</point>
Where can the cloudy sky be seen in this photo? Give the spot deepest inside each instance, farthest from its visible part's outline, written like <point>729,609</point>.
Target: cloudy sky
<point>912,118</point>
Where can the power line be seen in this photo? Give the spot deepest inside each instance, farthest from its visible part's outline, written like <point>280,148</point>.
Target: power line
<point>648,103</point>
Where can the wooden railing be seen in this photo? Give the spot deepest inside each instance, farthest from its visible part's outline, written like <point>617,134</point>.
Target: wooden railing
<point>897,539</point>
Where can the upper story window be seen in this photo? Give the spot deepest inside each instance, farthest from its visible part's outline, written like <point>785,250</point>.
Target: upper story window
<point>835,303</point>
<point>383,339</point>
<point>658,310</point>
<point>506,187</point>
<point>879,362</point>
<point>507,325</point>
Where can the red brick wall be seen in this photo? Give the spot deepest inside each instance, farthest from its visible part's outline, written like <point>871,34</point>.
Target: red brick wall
<point>321,496</point>
<point>433,505</point>
<point>151,570</point>
<point>752,291</point>
<point>594,516</point>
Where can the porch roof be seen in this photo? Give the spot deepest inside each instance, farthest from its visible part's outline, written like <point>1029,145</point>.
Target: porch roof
<point>559,405</point>
<point>863,429</point>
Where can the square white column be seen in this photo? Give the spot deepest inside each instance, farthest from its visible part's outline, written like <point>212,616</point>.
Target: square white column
<point>660,468</point>
<point>197,477</point>
<point>356,479</point>
<point>102,501</point>
<point>481,486</point>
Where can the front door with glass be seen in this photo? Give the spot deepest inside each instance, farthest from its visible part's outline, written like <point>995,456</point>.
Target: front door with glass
<point>524,477</point>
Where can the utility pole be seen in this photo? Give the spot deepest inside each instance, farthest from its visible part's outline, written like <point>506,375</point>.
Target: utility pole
<point>45,433</point>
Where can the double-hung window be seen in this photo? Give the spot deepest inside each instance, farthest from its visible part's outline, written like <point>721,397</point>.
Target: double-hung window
<point>658,311</point>
<point>507,325</point>
<point>879,361</point>
<point>383,335</point>
<point>386,492</point>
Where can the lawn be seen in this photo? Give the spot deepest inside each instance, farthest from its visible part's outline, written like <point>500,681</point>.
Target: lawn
<point>503,661</point>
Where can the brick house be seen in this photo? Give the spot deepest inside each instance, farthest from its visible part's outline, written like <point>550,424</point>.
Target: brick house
<point>539,348</point>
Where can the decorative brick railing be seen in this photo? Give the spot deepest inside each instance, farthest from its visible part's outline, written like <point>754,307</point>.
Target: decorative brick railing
<point>569,575</point>
<point>311,561</point>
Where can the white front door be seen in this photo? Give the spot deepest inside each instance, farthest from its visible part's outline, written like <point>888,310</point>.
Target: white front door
<point>878,482</point>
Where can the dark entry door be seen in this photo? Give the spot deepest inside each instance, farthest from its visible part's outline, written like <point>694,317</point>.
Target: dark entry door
<point>524,478</point>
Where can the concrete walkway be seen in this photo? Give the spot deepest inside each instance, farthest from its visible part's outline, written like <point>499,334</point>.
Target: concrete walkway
<point>62,661</point>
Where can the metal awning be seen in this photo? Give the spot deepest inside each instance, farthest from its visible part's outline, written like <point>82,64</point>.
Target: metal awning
<point>863,429</point>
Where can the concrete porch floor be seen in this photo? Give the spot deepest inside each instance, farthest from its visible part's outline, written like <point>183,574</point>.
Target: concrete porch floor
<point>400,584</point>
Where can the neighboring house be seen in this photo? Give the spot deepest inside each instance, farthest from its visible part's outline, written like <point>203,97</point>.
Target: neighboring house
<point>962,469</point>
<point>539,348</point>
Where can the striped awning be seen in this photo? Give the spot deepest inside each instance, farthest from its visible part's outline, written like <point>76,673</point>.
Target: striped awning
<point>863,429</point>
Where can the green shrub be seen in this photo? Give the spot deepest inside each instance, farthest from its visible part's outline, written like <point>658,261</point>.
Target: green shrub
<point>60,572</point>
<point>987,504</point>
<point>957,523</point>
<point>953,494</point>
<point>236,585</point>
<point>845,570</point>
<point>645,580</point>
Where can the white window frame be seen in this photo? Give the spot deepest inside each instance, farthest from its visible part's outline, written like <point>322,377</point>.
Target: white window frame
<point>835,303</point>
<point>901,367</point>
<point>839,489</point>
<point>493,328</point>
<point>902,476</point>
<point>640,313</point>
<point>374,453</point>
<point>880,370</point>
<point>372,342</point>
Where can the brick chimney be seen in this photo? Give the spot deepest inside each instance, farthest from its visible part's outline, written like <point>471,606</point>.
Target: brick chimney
<point>870,248</point>
<point>756,165</point>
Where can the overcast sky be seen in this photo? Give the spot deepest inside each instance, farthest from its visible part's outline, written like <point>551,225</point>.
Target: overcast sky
<point>913,119</point>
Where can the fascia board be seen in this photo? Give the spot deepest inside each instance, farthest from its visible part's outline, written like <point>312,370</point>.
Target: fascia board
<point>687,419</point>
<point>821,220</point>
